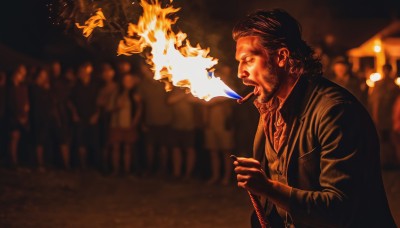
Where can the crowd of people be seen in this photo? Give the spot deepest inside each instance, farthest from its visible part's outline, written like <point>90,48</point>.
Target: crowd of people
<point>382,100</point>
<point>115,118</point>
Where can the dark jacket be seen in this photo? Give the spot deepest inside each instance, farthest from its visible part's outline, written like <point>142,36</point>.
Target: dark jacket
<point>332,162</point>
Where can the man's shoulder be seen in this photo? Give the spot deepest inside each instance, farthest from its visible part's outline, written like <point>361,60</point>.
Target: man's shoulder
<point>326,95</point>
<point>329,92</point>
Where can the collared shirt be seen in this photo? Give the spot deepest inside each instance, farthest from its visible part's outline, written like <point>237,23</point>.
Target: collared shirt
<point>277,122</point>
<point>274,124</point>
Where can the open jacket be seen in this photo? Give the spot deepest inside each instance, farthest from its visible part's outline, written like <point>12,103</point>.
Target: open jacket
<point>332,162</point>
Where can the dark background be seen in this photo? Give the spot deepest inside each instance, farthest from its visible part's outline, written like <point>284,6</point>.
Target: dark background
<point>34,30</point>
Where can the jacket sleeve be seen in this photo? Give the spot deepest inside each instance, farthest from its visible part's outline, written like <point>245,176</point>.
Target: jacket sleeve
<point>339,133</point>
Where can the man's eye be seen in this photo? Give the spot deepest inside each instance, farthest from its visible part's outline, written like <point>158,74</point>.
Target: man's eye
<point>249,59</point>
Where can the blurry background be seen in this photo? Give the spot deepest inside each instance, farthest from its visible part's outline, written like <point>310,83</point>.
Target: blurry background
<point>34,29</point>
<point>45,63</point>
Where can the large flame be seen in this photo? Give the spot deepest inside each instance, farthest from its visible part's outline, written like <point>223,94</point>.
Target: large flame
<point>93,22</point>
<point>172,56</point>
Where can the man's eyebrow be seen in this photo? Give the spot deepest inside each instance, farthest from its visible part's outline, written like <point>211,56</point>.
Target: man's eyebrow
<point>245,55</point>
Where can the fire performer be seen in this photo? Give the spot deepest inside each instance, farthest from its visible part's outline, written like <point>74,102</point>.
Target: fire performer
<point>315,141</point>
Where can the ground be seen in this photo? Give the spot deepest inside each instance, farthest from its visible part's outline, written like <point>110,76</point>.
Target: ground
<point>61,199</point>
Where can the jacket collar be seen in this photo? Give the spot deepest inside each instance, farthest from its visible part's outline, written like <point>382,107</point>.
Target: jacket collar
<point>294,104</point>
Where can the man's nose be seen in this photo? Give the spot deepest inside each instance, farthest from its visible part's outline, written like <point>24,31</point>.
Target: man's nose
<point>241,72</point>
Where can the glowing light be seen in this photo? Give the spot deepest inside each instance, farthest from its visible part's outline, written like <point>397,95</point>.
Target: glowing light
<point>397,81</point>
<point>172,56</point>
<point>93,22</point>
<point>377,48</point>
<point>374,77</point>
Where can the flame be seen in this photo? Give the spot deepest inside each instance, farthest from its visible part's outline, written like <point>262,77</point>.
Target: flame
<point>93,22</point>
<point>172,56</point>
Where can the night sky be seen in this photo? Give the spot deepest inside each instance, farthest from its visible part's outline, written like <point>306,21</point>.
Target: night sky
<point>29,27</point>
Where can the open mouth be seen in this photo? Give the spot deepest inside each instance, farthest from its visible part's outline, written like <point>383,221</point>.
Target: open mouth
<point>256,90</point>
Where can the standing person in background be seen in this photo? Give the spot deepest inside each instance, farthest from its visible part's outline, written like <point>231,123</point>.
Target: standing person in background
<point>157,119</point>
<point>18,108</point>
<point>245,119</point>
<point>61,90</point>
<point>85,114</point>
<point>42,115</point>
<point>396,129</point>
<point>122,67</point>
<point>382,100</point>
<point>183,132</point>
<point>108,89</point>
<point>126,110</point>
<point>219,132</point>
<point>344,77</point>
<point>70,77</point>
<point>3,100</point>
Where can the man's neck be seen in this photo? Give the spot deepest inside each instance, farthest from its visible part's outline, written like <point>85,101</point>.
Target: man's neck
<point>287,86</point>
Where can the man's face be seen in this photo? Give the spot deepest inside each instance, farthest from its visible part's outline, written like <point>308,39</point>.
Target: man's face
<point>340,70</point>
<point>56,67</point>
<point>256,68</point>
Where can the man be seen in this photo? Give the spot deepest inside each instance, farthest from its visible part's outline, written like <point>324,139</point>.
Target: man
<point>344,77</point>
<point>315,141</point>
<point>61,123</point>
<point>382,100</point>
<point>157,119</point>
<point>85,114</point>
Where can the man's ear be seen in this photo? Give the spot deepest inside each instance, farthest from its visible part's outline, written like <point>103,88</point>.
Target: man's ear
<point>283,56</point>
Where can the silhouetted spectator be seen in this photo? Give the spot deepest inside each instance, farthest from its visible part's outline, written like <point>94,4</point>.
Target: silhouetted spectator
<point>245,119</point>
<point>219,133</point>
<point>70,76</point>
<point>157,119</point>
<point>85,113</point>
<point>344,77</point>
<point>122,67</point>
<point>396,128</point>
<point>325,60</point>
<point>183,131</point>
<point>18,108</point>
<point>382,101</point>
<point>61,119</point>
<point>107,90</point>
<point>126,109</point>
<point>42,115</point>
<point>3,133</point>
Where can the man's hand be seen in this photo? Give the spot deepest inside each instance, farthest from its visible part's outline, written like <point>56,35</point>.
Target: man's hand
<point>251,177</point>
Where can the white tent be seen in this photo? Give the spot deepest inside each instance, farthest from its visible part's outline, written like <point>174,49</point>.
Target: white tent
<point>384,47</point>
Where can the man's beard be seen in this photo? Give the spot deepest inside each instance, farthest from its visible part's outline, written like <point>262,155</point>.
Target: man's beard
<point>274,83</point>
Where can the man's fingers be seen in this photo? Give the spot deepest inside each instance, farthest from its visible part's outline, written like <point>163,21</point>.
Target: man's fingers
<point>243,185</point>
<point>242,178</point>
<point>248,162</point>
<point>246,170</point>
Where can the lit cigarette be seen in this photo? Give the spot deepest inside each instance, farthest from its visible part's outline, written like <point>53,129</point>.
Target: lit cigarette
<point>244,99</point>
